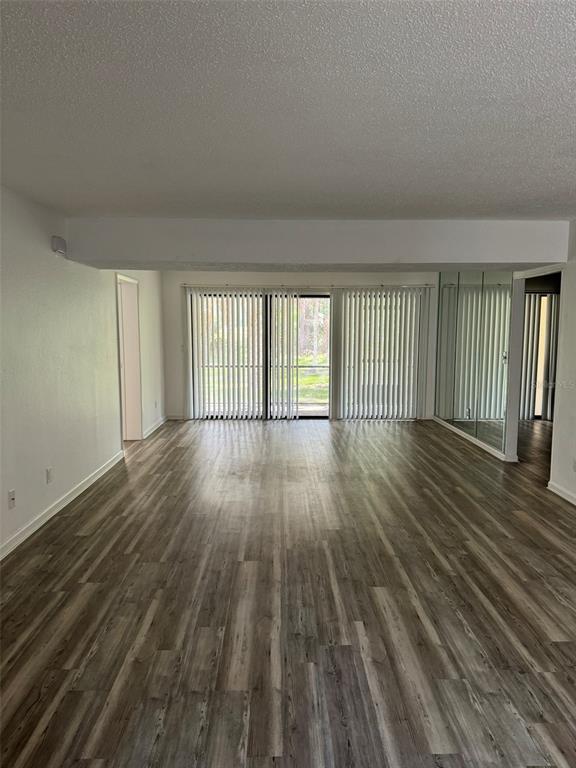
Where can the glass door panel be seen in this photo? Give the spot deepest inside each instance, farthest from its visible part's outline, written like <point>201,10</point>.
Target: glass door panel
<point>313,366</point>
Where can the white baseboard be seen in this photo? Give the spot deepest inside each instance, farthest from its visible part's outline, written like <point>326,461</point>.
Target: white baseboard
<point>474,440</point>
<point>59,504</point>
<point>154,427</point>
<point>563,492</point>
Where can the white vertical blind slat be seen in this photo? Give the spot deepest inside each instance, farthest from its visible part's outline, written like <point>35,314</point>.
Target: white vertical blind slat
<point>386,357</point>
<point>283,355</point>
<point>205,369</point>
<point>363,354</point>
<point>244,346</point>
<point>216,363</point>
<point>358,366</point>
<point>221,356</point>
<point>195,345</point>
<point>250,321</point>
<point>394,352</point>
<point>377,353</point>
<point>372,356</point>
<point>401,351</point>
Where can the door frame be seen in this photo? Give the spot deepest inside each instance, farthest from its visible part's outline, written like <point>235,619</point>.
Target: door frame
<point>136,431</point>
<point>515,359</point>
<point>318,294</point>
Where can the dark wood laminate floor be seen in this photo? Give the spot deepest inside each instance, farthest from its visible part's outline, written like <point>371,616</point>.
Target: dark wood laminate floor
<point>534,449</point>
<point>296,594</point>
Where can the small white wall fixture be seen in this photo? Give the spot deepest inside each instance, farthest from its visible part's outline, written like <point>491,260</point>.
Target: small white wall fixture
<point>129,358</point>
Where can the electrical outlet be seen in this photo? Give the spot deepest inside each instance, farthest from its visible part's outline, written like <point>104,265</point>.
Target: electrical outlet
<point>574,464</point>
<point>156,405</point>
<point>11,499</point>
<point>49,475</point>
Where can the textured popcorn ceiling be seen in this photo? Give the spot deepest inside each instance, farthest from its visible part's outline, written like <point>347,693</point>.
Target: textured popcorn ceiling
<point>292,109</point>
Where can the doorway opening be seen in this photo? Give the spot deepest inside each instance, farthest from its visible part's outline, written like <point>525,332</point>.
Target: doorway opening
<point>541,316</point>
<point>313,365</point>
<point>129,358</point>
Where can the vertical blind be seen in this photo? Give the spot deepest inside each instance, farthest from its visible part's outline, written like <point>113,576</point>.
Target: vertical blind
<point>530,354</point>
<point>481,352</point>
<point>283,325</point>
<point>244,353</point>
<point>446,352</point>
<point>227,354</point>
<point>378,358</point>
<point>468,324</point>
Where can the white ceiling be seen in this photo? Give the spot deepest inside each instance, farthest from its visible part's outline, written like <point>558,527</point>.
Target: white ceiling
<point>405,109</point>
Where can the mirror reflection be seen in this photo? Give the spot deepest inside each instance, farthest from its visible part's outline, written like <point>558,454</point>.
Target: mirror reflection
<point>472,357</point>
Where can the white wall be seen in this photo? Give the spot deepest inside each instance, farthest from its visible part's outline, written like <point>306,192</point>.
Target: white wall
<point>155,243</point>
<point>563,466</point>
<point>151,347</point>
<point>60,390</point>
<point>175,330</point>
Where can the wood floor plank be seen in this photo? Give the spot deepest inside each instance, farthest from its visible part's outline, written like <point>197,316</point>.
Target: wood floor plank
<point>298,595</point>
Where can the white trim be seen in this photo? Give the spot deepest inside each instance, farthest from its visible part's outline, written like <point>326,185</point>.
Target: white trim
<point>563,492</point>
<point>120,278</point>
<point>514,372</point>
<point>153,427</point>
<point>59,504</point>
<point>513,458</point>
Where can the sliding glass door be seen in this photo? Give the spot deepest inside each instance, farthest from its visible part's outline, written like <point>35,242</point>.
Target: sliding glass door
<point>259,354</point>
<point>279,354</point>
